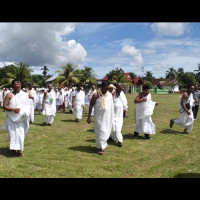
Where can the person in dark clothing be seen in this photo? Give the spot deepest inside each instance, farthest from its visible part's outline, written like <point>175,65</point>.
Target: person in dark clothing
<point>196,96</point>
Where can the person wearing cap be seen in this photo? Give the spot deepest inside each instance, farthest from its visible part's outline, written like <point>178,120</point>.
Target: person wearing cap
<point>144,110</point>
<point>120,111</point>
<point>78,102</point>
<point>102,101</point>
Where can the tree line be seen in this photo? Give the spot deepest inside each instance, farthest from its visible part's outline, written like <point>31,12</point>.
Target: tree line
<point>68,75</point>
<point>71,75</point>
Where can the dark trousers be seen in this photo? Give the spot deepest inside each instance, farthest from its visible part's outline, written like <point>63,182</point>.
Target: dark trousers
<point>195,110</point>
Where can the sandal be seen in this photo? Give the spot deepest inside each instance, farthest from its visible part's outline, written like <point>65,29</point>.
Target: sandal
<point>171,123</point>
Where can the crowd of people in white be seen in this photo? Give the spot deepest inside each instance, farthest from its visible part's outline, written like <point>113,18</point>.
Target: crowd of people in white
<point>108,105</point>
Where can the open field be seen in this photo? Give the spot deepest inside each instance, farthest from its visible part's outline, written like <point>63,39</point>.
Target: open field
<point>67,149</point>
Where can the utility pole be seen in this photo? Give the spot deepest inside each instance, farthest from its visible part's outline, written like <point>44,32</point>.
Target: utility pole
<point>142,72</point>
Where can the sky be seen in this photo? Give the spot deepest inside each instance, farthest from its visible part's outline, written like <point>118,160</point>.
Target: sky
<point>155,47</point>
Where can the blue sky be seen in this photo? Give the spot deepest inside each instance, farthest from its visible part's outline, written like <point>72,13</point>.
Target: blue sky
<point>102,46</point>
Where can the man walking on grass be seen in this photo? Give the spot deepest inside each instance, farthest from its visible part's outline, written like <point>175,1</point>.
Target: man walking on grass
<point>120,111</point>
<point>17,106</point>
<point>102,101</point>
<point>186,117</point>
<point>144,110</point>
<point>49,106</point>
<point>78,102</point>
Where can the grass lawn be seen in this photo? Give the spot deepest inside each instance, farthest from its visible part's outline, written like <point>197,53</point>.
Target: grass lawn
<point>68,150</point>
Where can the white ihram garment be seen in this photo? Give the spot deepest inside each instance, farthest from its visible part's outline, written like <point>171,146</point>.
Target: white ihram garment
<point>103,121</point>
<point>120,104</point>
<point>17,124</point>
<point>49,107</point>
<point>79,102</point>
<point>144,110</point>
<point>186,121</point>
<point>90,93</point>
<point>32,103</point>
<point>39,101</point>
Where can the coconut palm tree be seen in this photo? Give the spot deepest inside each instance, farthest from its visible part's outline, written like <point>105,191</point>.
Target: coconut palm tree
<point>171,73</point>
<point>66,75</point>
<point>45,70</point>
<point>22,72</point>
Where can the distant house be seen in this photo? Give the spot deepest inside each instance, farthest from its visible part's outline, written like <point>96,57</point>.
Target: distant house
<point>135,81</point>
<point>171,84</point>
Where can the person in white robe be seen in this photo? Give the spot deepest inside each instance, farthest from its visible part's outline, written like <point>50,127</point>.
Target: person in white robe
<point>144,109</point>
<point>17,106</point>
<point>78,102</point>
<point>102,101</point>
<point>66,98</point>
<point>49,106</point>
<point>90,93</point>
<point>32,98</point>
<point>57,98</point>
<point>61,102</point>
<point>186,117</point>
<point>120,111</point>
<point>39,100</point>
<point>87,104</point>
<point>71,93</point>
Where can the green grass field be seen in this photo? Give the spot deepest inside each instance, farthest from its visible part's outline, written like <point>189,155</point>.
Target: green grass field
<point>68,150</point>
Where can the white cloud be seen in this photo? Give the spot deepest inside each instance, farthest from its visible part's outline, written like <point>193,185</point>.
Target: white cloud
<point>39,44</point>
<point>169,29</point>
<point>129,51</point>
<point>133,53</point>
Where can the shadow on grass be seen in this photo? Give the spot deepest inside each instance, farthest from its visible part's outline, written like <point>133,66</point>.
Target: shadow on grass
<point>86,149</point>
<point>109,141</point>
<point>6,152</point>
<point>131,137</point>
<point>187,175</point>
<point>68,113</point>
<point>37,124</point>
<point>68,120</point>
<point>170,131</point>
<point>90,130</point>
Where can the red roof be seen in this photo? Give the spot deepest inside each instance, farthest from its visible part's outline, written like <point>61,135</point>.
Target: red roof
<point>105,78</point>
<point>128,77</point>
<point>137,81</point>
